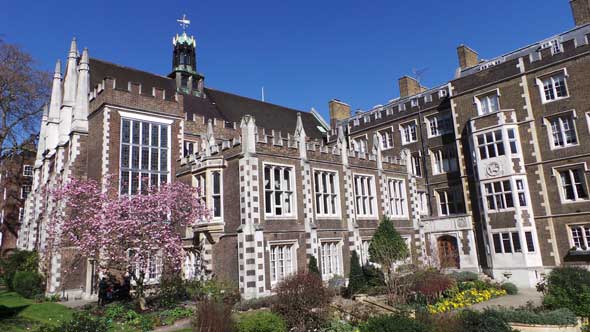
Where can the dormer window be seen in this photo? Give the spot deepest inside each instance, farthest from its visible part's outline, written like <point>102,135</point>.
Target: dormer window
<point>428,98</point>
<point>402,107</point>
<point>555,46</point>
<point>414,102</point>
<point>488,103</point>
<point>442,93</point>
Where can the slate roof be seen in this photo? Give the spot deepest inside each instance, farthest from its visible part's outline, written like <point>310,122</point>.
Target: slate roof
<point>218,104</point>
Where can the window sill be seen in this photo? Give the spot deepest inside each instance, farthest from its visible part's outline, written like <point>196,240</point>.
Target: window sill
<point>280,218</point>
<point>563,147</point>
<point>554,100</point>
<point>367,217</point>
<point>575,202</point>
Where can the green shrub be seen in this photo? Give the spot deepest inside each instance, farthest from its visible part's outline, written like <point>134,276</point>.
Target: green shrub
<point>477,284</point>
<point>302,300</point>
<point>393,323</point>
<point>19,260</point>
<point>339,326</point>
<point>312,265</point>
<point>115,311</point>
<point>356,278</point>
<point>81,322</point>
<point>262,321</point>
<point>562,316</point>
<point>172,290</point>
<point>28,284</point>
<point>464,276</point>
<point>488,321</point>
<point>569,287</point>
<point>510,288</point>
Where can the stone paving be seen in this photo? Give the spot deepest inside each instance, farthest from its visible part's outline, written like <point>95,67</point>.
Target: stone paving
<point>520,299</point>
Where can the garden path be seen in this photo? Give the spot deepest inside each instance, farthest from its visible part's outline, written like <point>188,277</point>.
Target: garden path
<point>179,325</point>
<point>524,295</point>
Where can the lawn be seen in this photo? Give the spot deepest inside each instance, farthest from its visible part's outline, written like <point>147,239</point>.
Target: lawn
<point>19,314</point>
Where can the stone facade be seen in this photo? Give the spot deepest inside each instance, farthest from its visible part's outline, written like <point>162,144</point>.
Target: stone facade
<point>486,172</point>
<point>518,126</point>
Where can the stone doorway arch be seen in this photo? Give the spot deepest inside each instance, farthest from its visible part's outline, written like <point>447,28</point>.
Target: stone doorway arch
<point>448,252</point>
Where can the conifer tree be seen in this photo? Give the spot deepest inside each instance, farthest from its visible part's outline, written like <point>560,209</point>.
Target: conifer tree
<point>313,265</point>
<point>356,278</point>
<point>387,246</point>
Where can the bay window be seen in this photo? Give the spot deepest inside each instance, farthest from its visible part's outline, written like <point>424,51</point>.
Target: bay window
<point>490,144</point>
<point>499,195</point>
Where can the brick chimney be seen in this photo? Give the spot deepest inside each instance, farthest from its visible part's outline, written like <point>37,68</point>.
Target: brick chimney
<point>338,111</point>
<point>467,57</point>
<point>409,86</point>
<point>580,11</point>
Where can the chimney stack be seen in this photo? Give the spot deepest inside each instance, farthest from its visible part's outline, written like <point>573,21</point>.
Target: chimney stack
<point>338,111</point>
<point>580,11</point>
<point>409,86</point>
<point>467,57</point>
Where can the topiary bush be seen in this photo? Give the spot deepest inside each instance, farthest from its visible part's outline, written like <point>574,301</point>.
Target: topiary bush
<point>393,323</point>
<point>302,300</point>
<point>28,284</point>
<point>568,287</point>
<point>510,288</point>
<point>262,321</point>
<point>487,321</point>
<point>19,260</point>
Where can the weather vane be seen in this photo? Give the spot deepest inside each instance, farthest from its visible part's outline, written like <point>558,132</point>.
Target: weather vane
<point>184,22</point>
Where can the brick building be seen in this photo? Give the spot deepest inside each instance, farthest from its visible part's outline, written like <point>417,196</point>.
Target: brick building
<point>485,172</point>
<point>16,179</point>
<point>500,145</point>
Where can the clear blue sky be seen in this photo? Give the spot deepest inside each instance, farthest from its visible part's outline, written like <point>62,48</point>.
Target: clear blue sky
<point>303,52</point>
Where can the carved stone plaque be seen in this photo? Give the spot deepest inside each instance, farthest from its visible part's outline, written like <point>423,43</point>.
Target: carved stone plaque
<point>494,169</point>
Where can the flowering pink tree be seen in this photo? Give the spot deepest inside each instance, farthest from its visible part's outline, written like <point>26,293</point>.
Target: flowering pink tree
<point>123,232</point>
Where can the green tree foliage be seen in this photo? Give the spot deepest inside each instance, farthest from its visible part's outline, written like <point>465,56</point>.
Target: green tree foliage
<point>569,287</point>
<point>81,322</point>
<point>28,284</point>
<point>356,278</point>
<point>313,265</point>
<point>387,246</point>
<point>19,260</point>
